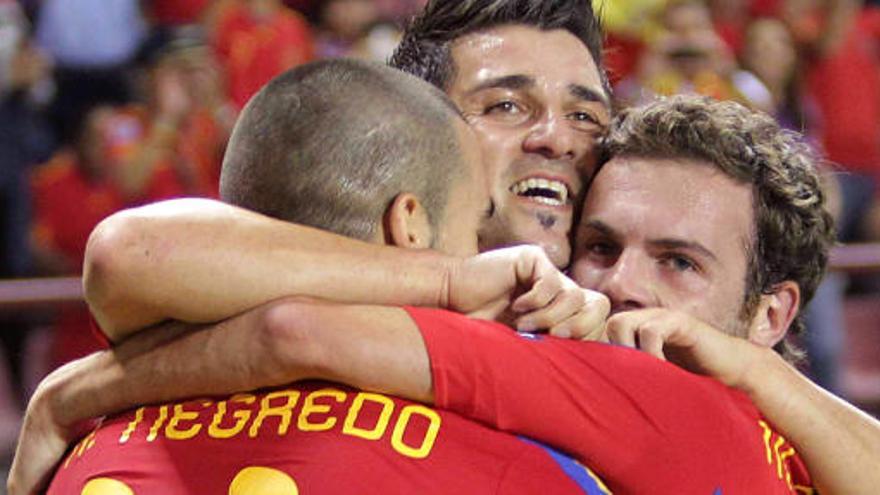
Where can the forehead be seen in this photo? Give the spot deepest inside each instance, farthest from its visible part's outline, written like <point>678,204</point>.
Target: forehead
<point>680,198</point>
<point>554,58</point>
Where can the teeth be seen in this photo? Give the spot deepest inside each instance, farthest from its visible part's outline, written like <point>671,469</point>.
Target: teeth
<point>544,191</point>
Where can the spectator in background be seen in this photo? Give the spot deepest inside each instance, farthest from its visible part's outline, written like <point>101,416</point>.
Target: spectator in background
<point>841,109</point>
<point>688,56</point>
<point>78,178</point>
<point>730,18</point>
<point>257,40</point>
<point>91,34</point>
<point>842,43</point>
<point>93,43</point>
<point>342,24</point>
<point>356,28</point>
<point>25,139</point>
<point>627,25</point>
<point>769,52</point>
<point>172,143</point>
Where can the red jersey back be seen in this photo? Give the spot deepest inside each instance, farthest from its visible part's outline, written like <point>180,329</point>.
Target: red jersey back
<point>309,438</point>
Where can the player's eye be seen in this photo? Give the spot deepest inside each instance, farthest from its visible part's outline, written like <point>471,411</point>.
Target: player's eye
<point>503,107</point>
<point>601,247</point>
<point>679,262</point>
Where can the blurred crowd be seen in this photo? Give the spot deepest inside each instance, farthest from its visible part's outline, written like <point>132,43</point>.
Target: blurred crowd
<point>107,104</point>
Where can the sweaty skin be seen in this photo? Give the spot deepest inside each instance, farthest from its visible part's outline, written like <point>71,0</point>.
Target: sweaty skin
<point>537,122</point>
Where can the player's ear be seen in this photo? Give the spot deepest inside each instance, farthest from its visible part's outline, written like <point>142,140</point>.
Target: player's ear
<point>407,224</point>
<point>775,313</point>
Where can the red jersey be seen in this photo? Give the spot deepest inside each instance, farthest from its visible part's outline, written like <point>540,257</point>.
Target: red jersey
<point>310,438</point>
<point>67,206</point>
<point>846,85</point>
<point>194,168</point>
<point>644,425</point>
<point>254,51</point>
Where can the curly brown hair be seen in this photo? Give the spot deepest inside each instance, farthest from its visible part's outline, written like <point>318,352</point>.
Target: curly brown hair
<point>793,231</point>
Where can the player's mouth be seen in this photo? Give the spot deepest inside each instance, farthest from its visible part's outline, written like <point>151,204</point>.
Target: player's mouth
<point>542,191</point>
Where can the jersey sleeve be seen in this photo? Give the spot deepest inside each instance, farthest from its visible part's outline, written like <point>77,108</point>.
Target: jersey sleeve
<point>642,424</point>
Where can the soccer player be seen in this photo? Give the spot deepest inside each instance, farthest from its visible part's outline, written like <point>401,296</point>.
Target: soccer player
<point>296,152</point>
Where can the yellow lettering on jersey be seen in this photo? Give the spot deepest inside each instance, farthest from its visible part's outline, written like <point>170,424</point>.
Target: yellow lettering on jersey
<point>780,455</point>
<point>90,440</point>
<point>309,407</point>
<point>784,457</point>
<point>106,486</point>
<point>283,411</point>
<point>241,417</point>
<point>378,430</point>
<point>258,480</point>
<point>430,436</point>
<point>80,448</point>
<point>173,432</point>
<point>154,430</point>
<point>767,434</point>
<point>776,446</point>
<point>138,418</point>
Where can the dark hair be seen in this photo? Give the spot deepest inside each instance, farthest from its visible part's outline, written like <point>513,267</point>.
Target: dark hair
<point>792,229</point>
<point>425,51</point>
<point>332,143</point>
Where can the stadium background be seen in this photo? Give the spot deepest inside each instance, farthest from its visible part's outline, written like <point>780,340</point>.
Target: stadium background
<point>106,104</point>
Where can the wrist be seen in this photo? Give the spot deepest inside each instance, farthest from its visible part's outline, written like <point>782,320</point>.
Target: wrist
<point>66,396</point>
<point>451,269</point>
<point>43,414</point>
<point>767,382</point>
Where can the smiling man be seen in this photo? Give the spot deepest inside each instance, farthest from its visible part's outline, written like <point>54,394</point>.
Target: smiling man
<point>536,117</point>
<point>538,129</point>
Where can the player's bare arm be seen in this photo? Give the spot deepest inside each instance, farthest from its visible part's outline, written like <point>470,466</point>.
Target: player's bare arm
<point>368,346</point>
<point>840,444</point>
<point>201,261</point>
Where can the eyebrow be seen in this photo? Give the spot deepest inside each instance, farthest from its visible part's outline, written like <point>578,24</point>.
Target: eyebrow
<point>602,227</point>
<point>665,243</point>
<point>588,94</point>
<point>516,81</point>
<point>520,81</point>
<point>685,245</point>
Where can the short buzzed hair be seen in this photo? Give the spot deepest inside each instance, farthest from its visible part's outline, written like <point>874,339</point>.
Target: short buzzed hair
<point>332,143</point>
<point>425,51</point>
